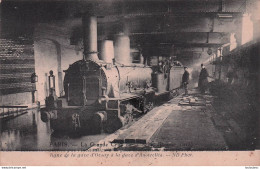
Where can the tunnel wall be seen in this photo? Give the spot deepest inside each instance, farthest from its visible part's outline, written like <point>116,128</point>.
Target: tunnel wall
<point>237,91</point>
<point>193,58</point>
<point>242,62</point>
<point>53,53</point>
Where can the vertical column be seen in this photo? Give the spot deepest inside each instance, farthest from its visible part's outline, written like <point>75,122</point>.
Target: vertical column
<point>220,55</point>
<point>60,83</point>
<point>247,29</point>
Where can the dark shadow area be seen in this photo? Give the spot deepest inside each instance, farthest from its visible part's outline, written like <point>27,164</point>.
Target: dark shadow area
<point>237,106</point>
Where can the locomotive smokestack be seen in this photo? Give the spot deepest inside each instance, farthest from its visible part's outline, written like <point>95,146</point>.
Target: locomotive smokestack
<point>122,49</point>
<point>107,51</point>
<point>90,37</point>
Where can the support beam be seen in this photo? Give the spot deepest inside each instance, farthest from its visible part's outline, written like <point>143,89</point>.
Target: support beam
<point>175,24</point>
<point>140,7</point>
<point>182,38</point>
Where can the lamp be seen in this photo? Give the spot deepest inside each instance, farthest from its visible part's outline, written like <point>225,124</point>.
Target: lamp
<point>34,78</point>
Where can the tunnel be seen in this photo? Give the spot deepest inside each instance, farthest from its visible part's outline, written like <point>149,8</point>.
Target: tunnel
<point>177,75</point>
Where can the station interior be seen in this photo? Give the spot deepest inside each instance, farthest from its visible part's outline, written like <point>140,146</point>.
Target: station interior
<point>111,73</point>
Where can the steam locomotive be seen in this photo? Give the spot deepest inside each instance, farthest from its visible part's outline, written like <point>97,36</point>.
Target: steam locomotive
<point>104,95</point>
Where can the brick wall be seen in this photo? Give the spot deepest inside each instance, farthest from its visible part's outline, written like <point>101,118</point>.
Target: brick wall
<point>17,65</point>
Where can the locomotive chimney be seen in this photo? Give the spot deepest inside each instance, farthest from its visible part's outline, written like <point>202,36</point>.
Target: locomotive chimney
<point>90,37</point>
<point>107,51</point>
<point>122,49</point>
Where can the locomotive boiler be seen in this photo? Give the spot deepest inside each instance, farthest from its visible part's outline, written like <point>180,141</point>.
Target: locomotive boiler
<point>107,93</point>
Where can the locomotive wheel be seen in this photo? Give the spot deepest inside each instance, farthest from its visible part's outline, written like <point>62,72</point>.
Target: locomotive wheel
<point>99,119</point>
<point>113,125</point>
<point>128,118</point>
<point>148,107</point>
<point>172,94</point>
<point>97,124</point>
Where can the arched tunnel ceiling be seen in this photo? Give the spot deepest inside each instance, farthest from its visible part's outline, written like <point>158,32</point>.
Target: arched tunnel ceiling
<point>179,22</point>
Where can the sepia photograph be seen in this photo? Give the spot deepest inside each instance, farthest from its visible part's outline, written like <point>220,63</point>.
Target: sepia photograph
<point>146,79</point>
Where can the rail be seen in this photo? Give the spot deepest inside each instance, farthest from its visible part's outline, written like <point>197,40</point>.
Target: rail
<point>14,113</point>
<point>13,106</point>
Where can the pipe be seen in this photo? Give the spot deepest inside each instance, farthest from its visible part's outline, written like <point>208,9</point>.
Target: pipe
<point>90,37</point>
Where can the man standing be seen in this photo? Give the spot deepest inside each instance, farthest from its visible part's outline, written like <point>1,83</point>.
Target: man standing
<point>185,80</point>
<point>203,79</point>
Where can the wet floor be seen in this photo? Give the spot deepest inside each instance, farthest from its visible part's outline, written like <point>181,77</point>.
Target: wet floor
<point>29,133</point>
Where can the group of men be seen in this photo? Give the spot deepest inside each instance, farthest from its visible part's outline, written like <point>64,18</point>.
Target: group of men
<point>203,79</point>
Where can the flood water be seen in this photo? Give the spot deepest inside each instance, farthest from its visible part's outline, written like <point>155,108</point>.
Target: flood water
<point>29,133</point>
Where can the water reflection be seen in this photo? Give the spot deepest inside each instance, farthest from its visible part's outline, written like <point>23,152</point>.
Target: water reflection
<point>28,133</point>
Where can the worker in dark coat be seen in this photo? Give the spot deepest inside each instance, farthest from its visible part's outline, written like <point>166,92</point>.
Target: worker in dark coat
<point>203,79</point>
<point>185,80</point>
